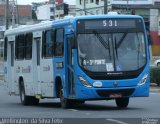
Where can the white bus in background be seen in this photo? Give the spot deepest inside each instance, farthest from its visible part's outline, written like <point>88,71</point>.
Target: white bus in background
<point>22,56</point>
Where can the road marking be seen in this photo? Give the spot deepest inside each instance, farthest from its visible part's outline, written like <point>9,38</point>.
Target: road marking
<point>116,121</point>
<point>87,113</point>
<point>74,110</point>
<point>153,93</point>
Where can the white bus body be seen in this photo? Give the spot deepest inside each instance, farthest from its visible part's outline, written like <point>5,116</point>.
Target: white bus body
<point>37,79</point>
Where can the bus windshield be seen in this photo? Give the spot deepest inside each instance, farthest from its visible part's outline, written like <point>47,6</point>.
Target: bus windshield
<point>111,52</point>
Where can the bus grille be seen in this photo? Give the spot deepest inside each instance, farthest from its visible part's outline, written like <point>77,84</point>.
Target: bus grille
<point>123,92</point>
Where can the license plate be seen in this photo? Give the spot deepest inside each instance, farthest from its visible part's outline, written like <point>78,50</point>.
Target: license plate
<point>116,95</point>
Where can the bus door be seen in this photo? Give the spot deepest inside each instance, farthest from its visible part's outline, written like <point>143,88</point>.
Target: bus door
<point>70,67</point>
<point>36,65</point>
<point>11,66</point>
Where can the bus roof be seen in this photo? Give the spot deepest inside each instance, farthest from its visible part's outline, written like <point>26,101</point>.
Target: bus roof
<point>108,16</point>
<point>48,24</point>
<point>28,28</point>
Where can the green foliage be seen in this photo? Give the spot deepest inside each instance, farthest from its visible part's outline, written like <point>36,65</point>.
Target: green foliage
<point>155,75</point>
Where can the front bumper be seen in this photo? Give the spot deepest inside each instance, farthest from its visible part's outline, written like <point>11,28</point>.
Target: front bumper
<point>105,93</point>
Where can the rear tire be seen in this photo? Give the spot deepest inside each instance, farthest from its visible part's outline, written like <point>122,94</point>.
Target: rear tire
<point>122,102</point>
<point>34,101</point>
<point>26,100</point>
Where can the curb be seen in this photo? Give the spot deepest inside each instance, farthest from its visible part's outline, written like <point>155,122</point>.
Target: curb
<point>155,90</point>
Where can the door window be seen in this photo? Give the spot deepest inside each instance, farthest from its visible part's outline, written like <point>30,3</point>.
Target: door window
<point>59,43</point>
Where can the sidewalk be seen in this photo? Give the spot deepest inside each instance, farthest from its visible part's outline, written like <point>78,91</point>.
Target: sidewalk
<point>154,88</point>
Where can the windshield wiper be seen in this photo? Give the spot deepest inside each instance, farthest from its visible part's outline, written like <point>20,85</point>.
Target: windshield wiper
<point>109,49</point>
<point>100,38</point>
<point>121,40</point>
<point>115,41</point>
<point>138,50</point>
<point>103,42</point>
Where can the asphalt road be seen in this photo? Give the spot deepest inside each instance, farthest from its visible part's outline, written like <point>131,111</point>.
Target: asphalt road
<point>140,108</point>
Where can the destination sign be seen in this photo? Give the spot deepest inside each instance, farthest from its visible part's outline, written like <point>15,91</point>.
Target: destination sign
<point>103,24</point>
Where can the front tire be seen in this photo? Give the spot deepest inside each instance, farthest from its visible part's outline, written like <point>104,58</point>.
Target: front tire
<point>65,103</point>
<point>122,102</point>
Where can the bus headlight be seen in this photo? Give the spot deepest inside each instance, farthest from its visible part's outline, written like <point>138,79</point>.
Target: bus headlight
<point>143,80</point>
<point>84,82</point>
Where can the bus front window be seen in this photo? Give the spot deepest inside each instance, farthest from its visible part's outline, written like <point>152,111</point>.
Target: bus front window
<point>93,55</point>
<point>111,52</point>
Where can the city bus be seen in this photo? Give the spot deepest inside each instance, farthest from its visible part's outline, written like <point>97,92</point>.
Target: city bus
<point>98,57</point>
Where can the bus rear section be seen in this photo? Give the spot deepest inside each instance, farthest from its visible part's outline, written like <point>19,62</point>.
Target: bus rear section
<point>111,59</point>
<point>28,65</point>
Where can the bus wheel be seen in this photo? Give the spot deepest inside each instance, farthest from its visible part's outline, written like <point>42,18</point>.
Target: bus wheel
<point>122,102</point>
<point>65,103</point>
<point>26,100</point>
<point>33,100</point>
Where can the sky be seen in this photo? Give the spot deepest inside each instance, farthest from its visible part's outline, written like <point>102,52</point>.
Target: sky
<point>25,2</point>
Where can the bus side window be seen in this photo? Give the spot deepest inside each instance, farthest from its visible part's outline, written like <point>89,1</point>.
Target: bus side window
<point>53,35</point>
<point>5,48</point>
<point>47,44</point>
<point>28,46</point>
<point>16,50</point>
<point>59,42</point>
<point>19,47</point>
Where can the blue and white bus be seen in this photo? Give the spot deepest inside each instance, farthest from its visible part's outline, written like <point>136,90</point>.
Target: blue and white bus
<point>78,59</point>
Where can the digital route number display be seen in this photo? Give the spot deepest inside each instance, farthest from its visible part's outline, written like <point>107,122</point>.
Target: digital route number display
<point>103,24</point>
